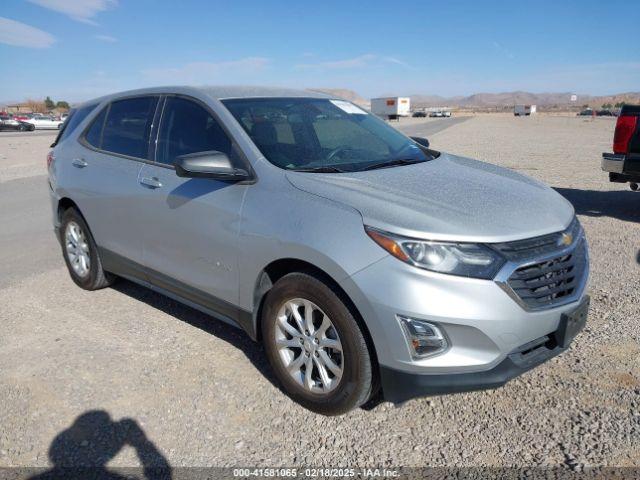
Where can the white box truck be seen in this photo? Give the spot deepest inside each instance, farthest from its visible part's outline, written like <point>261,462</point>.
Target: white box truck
<point>391,108</point>
<point>522,110</point>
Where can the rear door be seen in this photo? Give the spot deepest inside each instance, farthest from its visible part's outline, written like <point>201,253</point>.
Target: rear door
<point>191,224</point>
<point>116,145</point>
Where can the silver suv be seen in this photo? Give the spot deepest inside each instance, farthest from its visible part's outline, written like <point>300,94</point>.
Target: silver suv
<point>363,260</point>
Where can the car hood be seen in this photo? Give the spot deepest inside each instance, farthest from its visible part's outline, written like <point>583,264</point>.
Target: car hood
<point>448,198</point>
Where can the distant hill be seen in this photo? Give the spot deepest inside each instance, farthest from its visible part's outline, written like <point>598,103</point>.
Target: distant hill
<point>546,100</point>
<point>483,100</point>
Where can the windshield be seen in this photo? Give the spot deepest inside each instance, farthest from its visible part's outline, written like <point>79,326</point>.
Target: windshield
<point>322,135</point>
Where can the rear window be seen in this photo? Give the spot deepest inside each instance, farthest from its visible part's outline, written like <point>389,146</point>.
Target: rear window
<point>128,126</point>
<point>75,118</point>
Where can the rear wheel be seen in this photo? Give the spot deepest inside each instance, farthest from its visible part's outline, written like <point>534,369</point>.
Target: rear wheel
<point>315,345</point>
<point>81,254</point>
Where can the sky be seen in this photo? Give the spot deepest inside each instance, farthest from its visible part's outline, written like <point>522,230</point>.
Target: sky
<point>78,49</point>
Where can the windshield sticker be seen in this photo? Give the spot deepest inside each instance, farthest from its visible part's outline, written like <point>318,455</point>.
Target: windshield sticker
<point>348,107</point>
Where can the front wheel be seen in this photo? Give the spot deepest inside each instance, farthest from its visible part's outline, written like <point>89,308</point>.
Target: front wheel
<point>315,345</point>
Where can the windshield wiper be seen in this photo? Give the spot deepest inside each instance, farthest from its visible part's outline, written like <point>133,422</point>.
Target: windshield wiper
<point>323,169</point>
<point>392,163</point>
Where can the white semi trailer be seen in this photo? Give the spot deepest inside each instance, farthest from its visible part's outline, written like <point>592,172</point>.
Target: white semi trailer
<point>391,108</point>
<point>522,110</point>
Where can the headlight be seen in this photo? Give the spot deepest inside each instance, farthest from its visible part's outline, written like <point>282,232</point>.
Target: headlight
<point>464,259</point>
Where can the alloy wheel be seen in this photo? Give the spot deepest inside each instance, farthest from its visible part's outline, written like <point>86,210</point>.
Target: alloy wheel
<point>77,248</point>
<point>309,346</point>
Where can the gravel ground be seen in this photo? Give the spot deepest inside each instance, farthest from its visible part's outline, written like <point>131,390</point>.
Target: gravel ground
<point>203,395</point>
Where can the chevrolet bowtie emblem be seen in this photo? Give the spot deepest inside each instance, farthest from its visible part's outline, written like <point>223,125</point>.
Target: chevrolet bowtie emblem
<point>565,239</point>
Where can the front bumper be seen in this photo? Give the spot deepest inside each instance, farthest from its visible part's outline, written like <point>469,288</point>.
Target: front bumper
<point>612,162</point>
<point>621,168</point>
<point>481,321</point>
<point>399,386</point>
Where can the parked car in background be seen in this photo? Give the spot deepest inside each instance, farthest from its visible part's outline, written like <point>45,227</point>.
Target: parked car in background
<point>587,112</point>
<point>419,114</point>
<point>605,113</point>
<point>23,117</point>
<point>359,257</point>
<point>45,122</point>
<point>9,123</point>
<point>623,165</point>
<point>436,113</point>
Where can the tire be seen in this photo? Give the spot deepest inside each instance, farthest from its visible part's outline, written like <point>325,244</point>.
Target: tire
<point>88,275</point>
<point>341,393</point>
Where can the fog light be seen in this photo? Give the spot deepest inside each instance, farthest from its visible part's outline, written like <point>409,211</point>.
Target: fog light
<point>425,339</point>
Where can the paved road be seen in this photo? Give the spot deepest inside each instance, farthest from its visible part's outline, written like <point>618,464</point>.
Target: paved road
<point>26,240</point>
<point>427,127</point>
<point>35,133</point>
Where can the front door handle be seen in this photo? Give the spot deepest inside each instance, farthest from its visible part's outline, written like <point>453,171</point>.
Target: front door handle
<point>152,182</point>
<point>79,163</point>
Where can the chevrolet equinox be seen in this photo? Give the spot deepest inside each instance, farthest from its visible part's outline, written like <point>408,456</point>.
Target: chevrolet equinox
<point>362,259</point>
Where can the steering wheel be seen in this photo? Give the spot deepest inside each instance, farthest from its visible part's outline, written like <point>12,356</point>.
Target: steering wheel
<point>333,153</point>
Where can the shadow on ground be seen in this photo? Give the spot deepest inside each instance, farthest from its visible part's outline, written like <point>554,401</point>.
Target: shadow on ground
<point>252,350</point>
<point>236,337</point>
<point>620,204</point>
<point>83,450</point>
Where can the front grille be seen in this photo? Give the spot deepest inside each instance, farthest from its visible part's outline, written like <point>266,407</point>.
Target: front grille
<point>554,280</point>
<point>550,282</point>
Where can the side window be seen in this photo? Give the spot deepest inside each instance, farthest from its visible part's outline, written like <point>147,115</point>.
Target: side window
<point>75,118</point>
<point>188,128</point>
<point>128,125</point>
<point>94,134</point>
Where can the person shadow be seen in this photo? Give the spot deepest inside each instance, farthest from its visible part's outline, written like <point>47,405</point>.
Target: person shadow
<point>83,450</point>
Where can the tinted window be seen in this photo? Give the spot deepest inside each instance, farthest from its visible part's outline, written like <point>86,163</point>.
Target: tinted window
<point>189,128</point>
<point>94,133</point>
<point>308,133</point>
<point>75,118</point>
<point>128,125</point>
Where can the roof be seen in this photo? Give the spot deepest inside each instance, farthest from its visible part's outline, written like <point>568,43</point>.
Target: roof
<point>238,91</point>
<point>219,92</point>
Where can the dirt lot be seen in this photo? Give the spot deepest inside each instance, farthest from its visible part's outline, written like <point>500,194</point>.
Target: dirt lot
<point>202,392</point>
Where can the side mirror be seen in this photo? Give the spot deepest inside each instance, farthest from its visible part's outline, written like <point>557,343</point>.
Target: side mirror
<point>421,141</point>
<point>211,164</point>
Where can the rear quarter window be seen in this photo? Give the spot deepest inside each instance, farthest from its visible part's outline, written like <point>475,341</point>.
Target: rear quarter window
<point>75,118</point>
<point>93,135</point>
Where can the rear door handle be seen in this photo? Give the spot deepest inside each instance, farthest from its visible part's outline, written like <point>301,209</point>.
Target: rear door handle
<point>79,163</point>
<point>151,182</point>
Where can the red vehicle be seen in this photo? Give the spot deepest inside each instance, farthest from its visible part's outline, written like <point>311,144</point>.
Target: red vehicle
<point>623,164</point>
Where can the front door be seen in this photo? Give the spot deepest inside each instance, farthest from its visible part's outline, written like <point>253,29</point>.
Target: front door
<point>191,224</point>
